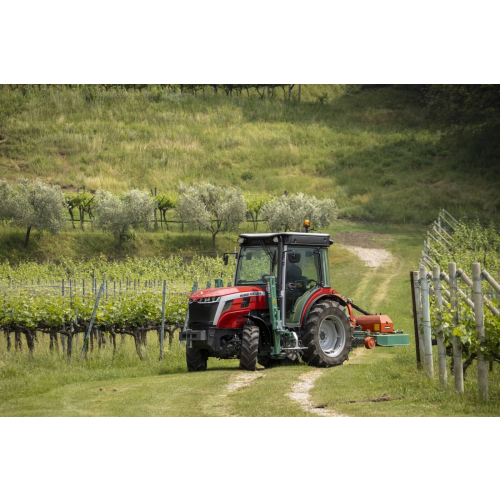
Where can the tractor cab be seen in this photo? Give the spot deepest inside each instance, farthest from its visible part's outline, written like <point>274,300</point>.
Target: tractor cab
<point>297,261</point>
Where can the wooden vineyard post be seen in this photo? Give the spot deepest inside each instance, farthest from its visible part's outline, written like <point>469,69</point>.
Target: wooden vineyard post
<point>162,332</point>
<point>441,348</point>
<point>426,323</point>
<point>91,323</point>
<point>482,370</point>
<point>456,342</point>
<point>415,319</point>
<point>418,303</point>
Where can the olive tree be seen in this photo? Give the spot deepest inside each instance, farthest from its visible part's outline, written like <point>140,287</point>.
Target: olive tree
<point>119,215</point>
<point>212,207</point>
<point>289,212</point>
<point>35,205</point>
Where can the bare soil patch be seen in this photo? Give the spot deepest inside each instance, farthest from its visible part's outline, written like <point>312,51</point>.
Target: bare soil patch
<point>372,257</point>
<point>300,394</point>
<point>381,399</point>
<point>243,380</point>
<point>362,239</point>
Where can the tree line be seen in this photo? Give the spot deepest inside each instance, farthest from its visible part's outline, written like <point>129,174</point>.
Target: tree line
<point>263,90</point>
<point>36,205</point>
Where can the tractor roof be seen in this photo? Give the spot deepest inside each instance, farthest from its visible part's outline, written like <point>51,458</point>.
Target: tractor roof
<point>313,239</point>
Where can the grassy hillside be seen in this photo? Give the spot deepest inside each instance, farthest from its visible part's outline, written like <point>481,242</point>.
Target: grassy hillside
<point>373,150</point>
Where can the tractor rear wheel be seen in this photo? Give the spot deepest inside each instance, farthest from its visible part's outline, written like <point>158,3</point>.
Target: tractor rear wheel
<point>249,347</point>
<point>327,334</point>
<point>196,359</point>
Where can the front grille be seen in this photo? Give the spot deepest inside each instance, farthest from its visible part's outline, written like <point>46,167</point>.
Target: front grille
<point>201,315</point>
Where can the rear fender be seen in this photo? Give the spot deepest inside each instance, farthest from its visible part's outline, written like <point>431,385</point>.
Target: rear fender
<point>328,296</point>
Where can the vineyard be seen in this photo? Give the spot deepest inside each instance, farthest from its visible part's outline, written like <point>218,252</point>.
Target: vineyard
<point>460,312</point>
<point>133,298</point>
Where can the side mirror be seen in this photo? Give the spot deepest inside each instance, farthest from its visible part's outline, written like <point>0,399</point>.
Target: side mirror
<point>294,257</point>
<point>225,258</point>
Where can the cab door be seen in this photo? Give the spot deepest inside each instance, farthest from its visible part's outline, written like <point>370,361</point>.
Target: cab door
<point>302,279</point>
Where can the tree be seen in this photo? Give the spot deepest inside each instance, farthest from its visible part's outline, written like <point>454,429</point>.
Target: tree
<point>119,215</point>
<point>289,212</point>
<point>83,202</point>
<point>165,202</point>
<point>255,203</point>
<point>36,205</point>
<point>212,207</point>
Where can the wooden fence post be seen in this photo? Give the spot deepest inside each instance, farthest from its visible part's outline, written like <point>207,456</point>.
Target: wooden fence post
<point>458,369</point>
<point>441,348</point>
<point>426,323</point>
<point>415,317</point>
<point>482,369</point>
<point>418,303</point>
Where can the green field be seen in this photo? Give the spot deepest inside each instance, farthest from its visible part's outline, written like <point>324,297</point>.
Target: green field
<point>380,382</point>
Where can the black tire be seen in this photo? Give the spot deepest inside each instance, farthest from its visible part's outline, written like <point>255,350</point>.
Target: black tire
<point>315,355</point>
<point>249,347</point>
<point>196,359</point>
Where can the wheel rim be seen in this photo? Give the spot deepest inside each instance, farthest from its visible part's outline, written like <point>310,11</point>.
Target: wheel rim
<point>332,336</point>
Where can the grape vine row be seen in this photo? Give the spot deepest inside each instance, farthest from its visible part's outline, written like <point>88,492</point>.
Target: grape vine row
<point>465,241</point>
<point>58,299</point>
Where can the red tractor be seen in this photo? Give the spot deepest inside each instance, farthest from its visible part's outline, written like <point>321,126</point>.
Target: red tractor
<point>282,307</point>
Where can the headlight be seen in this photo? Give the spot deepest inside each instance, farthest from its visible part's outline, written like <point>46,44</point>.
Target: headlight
<point>209,299</point>
<point>276,239</point>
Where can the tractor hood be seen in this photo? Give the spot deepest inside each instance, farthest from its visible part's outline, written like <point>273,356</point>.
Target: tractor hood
<point>223,291</point>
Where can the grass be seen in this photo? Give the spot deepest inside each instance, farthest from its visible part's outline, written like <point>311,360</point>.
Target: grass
<point>47,385</point>
<point>374,150</point>
<point>392,372</point>
<point>75,244</point>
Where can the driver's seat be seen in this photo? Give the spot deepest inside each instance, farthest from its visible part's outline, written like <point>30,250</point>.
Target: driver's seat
<point>293,274</point>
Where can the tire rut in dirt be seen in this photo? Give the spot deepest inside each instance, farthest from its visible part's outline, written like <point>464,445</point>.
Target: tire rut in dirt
<point>314,355</point>
<point>249,347</point>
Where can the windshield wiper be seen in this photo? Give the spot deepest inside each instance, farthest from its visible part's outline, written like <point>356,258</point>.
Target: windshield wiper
<point>270,254</point>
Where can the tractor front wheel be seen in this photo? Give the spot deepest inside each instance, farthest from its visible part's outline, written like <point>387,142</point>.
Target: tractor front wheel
<point>196,359</point>
<point>327,334</point>
<point>249,347</point>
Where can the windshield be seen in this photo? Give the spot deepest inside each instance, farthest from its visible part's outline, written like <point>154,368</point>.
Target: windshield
<point>254,264</point>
